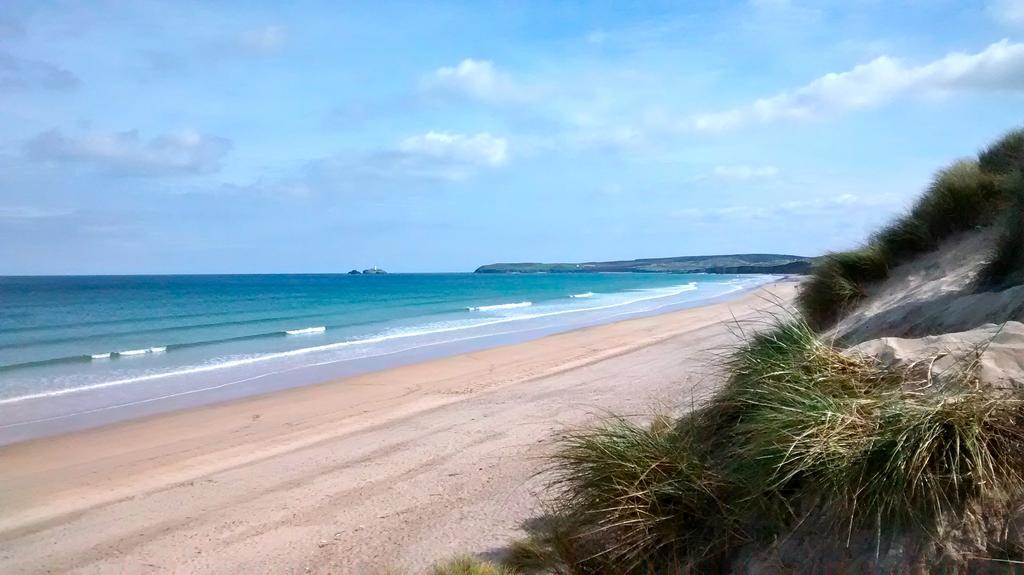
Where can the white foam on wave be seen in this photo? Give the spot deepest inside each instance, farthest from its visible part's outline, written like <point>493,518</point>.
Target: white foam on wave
<point>582,295</point>
<point>650,294</point>
<point>306,330</point>
<point>100,355</point>
<point>501,306</point>
<point>130,352</point>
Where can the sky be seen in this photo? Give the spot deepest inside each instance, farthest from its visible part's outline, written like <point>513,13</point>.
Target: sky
<point>244,137</point>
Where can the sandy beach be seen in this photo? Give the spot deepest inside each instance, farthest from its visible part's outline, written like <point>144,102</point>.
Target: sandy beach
<point>394,469</point>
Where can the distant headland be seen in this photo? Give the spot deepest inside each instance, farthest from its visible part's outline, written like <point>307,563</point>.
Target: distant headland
<point>721,264</point>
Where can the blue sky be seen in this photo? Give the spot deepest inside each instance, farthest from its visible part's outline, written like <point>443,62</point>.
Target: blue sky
<point>181,137</point>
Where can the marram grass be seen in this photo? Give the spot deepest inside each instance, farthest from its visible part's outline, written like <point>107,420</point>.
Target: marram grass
<point>801,432</point>
<point>1006,155</point>
<point>642,491</point>
<point>1005,266</point>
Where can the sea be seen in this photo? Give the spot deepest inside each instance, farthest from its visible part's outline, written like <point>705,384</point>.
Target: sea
<point>79,351</point>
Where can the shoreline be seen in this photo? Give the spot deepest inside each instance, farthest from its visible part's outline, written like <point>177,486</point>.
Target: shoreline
<point>58,413</point>
<point>325,470</point>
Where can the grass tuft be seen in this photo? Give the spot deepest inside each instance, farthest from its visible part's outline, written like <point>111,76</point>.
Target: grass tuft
<point>838,282</point>
<point>1006,155</point>
<point>960,198</point>
<point>903,239</point>
<point>640,490</point>
<point>1006,264</point>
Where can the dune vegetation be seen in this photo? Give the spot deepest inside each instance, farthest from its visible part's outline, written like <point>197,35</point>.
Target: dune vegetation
<point>967,195</point>
<point>811,458</point>
<point>1006,265</point>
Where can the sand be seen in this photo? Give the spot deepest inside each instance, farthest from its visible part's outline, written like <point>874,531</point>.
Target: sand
<point>933,294</point>
<point>394,469</point>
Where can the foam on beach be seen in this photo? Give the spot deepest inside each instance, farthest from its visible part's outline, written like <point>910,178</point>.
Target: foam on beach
<point>100,355</point>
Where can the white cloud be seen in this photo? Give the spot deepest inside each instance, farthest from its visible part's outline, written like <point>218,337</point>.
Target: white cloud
<point>483,150</point>
<point>267,39</point>
<point>185,152</point>
<point>998,68</point>
<point>743,172</point>
<point>477,79</point>
<point>1008,12</point>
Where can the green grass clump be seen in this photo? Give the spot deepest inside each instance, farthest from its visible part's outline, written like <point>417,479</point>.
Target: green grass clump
<point>930,455</point>
<point>903,239</point>
<point>1005,156</point>
<point>960,198</point>
<point>788,353</point>
<point>1006,264</point>
<point>838,282</point>
<point>818,425</point>
<point>801,432</point>
<point>642,491</point>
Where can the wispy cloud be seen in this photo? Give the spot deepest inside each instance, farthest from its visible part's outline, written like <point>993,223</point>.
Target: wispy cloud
<point>127,153</point>
<point>432,156</point>
<point>478,80</point>
<point>442,155</point>
<point>1008,12</point>
<point>998,68</point>
<point>478,149</point>
<point>24,74</point>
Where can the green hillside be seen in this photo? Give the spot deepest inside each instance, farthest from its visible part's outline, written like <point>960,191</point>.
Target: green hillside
<point>735,263</point>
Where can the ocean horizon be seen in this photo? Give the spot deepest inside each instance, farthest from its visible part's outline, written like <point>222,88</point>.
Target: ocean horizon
<point>93,349</point>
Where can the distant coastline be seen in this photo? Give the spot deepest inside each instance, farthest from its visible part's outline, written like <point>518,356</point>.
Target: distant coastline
<point>717,264</point>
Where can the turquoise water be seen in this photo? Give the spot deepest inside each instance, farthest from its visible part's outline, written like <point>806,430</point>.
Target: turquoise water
<point>85,344</point>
